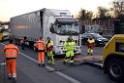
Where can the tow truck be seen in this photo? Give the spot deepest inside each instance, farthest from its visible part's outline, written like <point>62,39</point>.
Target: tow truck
<point>112,59</point>
<point>113,53</point>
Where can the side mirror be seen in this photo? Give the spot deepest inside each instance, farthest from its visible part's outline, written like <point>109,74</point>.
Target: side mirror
<point>52,28</point>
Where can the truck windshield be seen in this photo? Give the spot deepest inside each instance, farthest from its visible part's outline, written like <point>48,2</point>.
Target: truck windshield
<point>67,29</point>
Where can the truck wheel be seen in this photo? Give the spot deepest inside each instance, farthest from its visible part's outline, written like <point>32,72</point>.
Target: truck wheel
<point>115,70</point>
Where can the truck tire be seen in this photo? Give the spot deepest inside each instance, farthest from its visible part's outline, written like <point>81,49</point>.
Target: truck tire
<point>115,69</point>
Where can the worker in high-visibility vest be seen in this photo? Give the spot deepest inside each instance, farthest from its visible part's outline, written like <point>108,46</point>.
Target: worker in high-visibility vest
<point>40,45</point>
<point>69,47</point>
<point>90,45</point>
<point>10,52</point>
<point>49,50</point>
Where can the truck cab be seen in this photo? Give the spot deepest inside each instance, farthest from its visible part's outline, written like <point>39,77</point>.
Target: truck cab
<point>61,28</point>
<point>113,54</point>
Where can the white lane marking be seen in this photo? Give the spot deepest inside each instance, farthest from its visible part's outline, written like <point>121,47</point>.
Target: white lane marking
<point>3,44</point>
<point>4,63</point>
<point>68,77</point>
<point>50,68</point>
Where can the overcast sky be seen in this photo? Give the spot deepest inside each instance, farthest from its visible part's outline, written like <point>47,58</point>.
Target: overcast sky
<point>10,8</point>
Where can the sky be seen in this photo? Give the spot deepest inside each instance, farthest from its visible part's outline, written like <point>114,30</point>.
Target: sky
<point>11,8</point>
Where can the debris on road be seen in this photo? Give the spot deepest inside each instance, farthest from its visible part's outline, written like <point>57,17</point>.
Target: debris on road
<point>88,58</point>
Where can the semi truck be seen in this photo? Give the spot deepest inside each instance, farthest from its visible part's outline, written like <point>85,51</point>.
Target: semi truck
<point>53,23</point>
<point>113,53</point>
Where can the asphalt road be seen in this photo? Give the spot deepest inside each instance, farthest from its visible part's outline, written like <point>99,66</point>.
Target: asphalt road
<point>29,72</point>
<point>97,50</point>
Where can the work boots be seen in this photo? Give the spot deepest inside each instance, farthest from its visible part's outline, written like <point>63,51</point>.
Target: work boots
<point>9,78</point>
<point>14,80</point>
<point>43,65</point>
<point>39,64</point>
<point>87,53</point>
<point>90,54</point>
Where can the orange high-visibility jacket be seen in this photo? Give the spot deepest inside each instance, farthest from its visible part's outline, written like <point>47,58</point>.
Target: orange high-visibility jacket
<point>11,51</point>
<point>40,45</point>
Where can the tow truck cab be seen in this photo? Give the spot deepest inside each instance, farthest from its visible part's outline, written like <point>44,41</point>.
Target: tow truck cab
<point>113,53</point>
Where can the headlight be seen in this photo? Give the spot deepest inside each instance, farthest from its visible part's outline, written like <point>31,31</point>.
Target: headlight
<point>99,40</point>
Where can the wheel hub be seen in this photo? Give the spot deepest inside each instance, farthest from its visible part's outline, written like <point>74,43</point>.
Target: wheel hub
<point>115,70</point>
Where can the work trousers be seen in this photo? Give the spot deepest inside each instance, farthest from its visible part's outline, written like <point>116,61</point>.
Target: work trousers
<point>90,51</point>
<point>41,57</point>
<point>11,67</point>
<point>69,56</point>
<point>50,57</point>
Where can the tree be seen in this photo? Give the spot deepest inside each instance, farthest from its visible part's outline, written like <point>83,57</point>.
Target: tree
<point>89,15</point>
<point>102,13</point>
<point>118,7</point>
<point>82,13</point>
<point>85,14</point>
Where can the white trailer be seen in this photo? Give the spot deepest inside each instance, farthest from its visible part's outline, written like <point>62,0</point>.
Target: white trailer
<point>56,24</point>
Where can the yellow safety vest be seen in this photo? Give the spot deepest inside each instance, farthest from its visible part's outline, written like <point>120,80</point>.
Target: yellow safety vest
<point>91,41</point>
<point>69,46</point>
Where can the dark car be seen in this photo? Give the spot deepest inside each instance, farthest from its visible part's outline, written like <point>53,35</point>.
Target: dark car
<point>99,40</point>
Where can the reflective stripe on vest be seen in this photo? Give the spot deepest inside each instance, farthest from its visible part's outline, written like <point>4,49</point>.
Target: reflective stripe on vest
<point>10,52</point>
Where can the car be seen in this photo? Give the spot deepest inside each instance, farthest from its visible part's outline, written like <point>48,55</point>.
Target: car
<point>5,35</point>
<point>99,39</point>
<point>95,31</point>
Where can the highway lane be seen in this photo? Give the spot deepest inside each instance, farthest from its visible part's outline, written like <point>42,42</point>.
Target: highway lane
<point>29,72</point>
<point>97,50</point>
<point>82,73</point>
